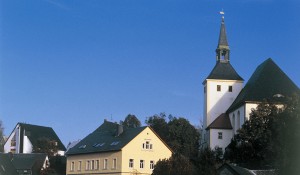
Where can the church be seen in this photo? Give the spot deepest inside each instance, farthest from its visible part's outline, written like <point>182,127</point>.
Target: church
<point>228,103</point>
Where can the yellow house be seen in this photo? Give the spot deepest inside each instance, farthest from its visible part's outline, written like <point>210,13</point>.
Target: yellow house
<point>112,149</point>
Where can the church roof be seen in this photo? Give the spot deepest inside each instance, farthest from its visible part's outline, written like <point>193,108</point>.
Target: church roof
<point>223,37</point>
<point>35,132</point>
<point>104,139</point>
<point>221,122</point>
<point>266,82</point>
<point>224,71</point>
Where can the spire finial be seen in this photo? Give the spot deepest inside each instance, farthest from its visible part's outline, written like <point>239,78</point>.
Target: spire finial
<point>223,47</point>
<point>222,13</point>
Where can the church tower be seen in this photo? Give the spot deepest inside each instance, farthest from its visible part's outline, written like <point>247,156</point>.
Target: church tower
<point>221,87</point>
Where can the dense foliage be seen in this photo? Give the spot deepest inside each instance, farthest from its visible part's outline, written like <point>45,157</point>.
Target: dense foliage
<point>45,145</point>
<point>178,133</point>
<point>131,121</point>
<point>270,138</point>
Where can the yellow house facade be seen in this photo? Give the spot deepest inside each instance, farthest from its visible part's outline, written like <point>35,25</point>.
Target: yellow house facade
<point>112,149</point>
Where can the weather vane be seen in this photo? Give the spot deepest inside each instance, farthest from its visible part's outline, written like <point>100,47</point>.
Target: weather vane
<point>222,13</point>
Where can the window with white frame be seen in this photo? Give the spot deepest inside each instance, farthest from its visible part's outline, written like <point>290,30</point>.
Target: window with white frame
<point>220,135</point>
<point>147,145</point>
<point>79,166</point>
<point>97,164</point>
<point>151,164</point>
<point>114,163</point>
<point>142,163</point>
<point>92,164</point>
<point>105,164</point>
<point>131,161</point>
<point>72,166</point>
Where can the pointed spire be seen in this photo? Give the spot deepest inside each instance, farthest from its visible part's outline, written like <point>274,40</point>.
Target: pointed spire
<point>223,37</point>
<point>223,50</point>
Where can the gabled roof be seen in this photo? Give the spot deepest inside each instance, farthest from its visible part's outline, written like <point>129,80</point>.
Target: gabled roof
<point>267,81</point>
<point>235,170</point>
<point>32,162</point>
<point>105,139</point>
<point>35,132</point>
<point>6,166</point>
<point>221,122</point>
<point>224,71</point>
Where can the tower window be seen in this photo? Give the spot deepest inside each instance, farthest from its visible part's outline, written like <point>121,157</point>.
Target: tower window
<point>204,89</point>
<point>218,87</point>
<point>229,88</point>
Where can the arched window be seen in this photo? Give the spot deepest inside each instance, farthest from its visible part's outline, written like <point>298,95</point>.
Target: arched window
<point>238,120</point>
<point>233,123</point>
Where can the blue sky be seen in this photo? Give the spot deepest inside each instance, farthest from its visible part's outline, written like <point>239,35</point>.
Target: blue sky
<point>72,64</point>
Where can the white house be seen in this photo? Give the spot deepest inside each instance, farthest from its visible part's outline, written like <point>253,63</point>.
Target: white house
<point>25,136</point>
<point>227,104</point>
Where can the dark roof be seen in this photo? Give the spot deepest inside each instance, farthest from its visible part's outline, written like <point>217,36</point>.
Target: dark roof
<point>106,138</point>
<point>6,166</point>
<point>267,80</point>
<point>35,132</point>
<point>235,170</point>
<point>221,122</point>
<point>28,161</point>
<point>224,71</point>
<point>223,37</point>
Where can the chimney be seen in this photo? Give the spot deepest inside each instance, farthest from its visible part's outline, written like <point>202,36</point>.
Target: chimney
<point>119,130</point>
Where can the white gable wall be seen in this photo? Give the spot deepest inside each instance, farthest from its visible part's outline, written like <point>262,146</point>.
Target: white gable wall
<point>27,146</point>
<point>221,143</point>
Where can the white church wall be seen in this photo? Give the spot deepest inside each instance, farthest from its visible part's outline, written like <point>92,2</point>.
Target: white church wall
<point>220,142</point>
<point>27,146</point>
<point>219,101</point>
<point>237,118</point>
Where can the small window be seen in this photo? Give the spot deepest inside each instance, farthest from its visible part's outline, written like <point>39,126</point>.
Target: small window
<point>220,135</point>
<point>114,164</point>
<point>79,166</point>
<point>229,88</point>
<point>115,143</point>
<point>93,165</point>
<point>105,164</point>
<point>218,87</point>
<point>72,166</point>
<point>147,145</point>
<point>82,147</point>
<point>141,163</point>
<point>151,164</point>
<point>130,163</point>
<point>88,164</point>
<point>97,165</point>
<point>204,89</point>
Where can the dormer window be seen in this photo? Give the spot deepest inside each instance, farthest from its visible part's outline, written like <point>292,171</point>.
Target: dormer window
<point>115,143</point>
<point>82,147</point>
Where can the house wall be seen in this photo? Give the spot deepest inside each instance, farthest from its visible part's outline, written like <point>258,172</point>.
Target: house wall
<point>84,158</point>
<point>8,146</point>
<point>221,143</point>
<point>134,150</point>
